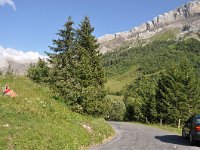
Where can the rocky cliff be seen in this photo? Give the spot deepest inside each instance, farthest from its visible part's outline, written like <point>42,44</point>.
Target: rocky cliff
<point>17,60</point>
<point>185,18</point>
<point>18,67</point>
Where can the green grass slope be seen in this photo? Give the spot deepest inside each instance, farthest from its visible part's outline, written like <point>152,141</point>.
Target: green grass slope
<point>125,65</point>
<point>118,82</point>
<point>166,35</point>
<point>122,65</point>
<point>34,120</point>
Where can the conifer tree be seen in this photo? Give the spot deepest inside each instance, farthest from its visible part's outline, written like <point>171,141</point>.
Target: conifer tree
<point>77,73</point>
<point>87,41</point>
<point>143,91</point>
<point>91,71</point>
<point>59,59</point>
<point>178,93</point>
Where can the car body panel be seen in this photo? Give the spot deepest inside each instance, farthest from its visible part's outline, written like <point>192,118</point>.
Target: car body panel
<point>189,129</point>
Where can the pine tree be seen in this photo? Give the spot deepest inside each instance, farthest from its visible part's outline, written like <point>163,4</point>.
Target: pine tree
<point>91,74</point>
<point>60,58</point>
<point>87,41</point>
<point>178,93</point>
<point>77,74</point>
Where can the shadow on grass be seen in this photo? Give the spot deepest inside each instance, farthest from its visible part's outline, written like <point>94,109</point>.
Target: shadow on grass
<point>175,139</point>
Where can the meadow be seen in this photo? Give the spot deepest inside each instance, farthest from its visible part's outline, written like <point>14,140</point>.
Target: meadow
<point>35,120</point>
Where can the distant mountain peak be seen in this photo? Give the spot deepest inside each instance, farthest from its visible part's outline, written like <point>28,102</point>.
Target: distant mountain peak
<point>18,60</point>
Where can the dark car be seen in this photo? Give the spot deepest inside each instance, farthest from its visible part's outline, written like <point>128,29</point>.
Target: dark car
<point>191,129</point>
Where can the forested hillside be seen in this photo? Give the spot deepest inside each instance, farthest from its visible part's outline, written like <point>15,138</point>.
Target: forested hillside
<point>159,80</point>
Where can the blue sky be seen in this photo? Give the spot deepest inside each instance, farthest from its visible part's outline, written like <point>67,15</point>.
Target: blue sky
<point>31,25</point>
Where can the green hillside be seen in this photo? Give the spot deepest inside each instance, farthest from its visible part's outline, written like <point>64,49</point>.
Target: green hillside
<point>34,120</point>
<point>125,65</point>
<point>117,82</point>
<point>158,80</point>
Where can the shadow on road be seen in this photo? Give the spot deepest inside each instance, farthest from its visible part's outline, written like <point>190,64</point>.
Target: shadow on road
<point>175,139</point>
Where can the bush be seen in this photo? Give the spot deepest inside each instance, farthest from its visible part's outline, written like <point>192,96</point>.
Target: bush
<point>117,110</point>
<point>39,72</point>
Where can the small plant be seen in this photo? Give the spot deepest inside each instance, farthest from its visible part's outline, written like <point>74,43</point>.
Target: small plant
<point>117,110</point>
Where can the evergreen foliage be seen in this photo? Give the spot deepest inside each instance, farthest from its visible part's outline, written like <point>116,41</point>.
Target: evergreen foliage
<point>166,82</point>
<point>90,72</point>
<point>151,58</point>
<point>87,41</point>
<point>178,93</point>
<point>61,58</point>
<point>133,109</point>
<point>39,72</point>
<point>140,99</point>
<point>76,73</point>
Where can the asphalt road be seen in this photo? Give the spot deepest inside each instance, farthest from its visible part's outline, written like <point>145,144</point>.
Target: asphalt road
<point>139,137</point>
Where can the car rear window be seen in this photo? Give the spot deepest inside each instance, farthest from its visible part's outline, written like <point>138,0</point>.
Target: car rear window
<point>197,119</point>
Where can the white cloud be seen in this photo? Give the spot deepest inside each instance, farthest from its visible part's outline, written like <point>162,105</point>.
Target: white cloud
<point>19,56</point>
<point>8,2</point>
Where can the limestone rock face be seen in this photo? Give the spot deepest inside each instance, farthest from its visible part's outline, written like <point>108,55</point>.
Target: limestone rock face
<point>17,60</point>
<point>19,68</point>
<point>186,15</point>
<point>3,64</point>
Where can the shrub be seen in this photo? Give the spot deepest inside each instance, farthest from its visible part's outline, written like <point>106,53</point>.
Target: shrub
<point>117,110</point>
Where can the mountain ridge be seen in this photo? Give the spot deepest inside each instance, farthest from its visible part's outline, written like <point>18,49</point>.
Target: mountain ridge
<point>185,17</point>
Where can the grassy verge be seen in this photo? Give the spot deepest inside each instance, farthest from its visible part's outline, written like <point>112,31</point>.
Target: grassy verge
<point>34,120</point>
<point>163,127</point>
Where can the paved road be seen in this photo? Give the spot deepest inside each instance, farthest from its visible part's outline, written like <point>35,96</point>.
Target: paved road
<point>138,137</point>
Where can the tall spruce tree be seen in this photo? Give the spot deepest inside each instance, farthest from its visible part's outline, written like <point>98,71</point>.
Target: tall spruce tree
<point>87,41</point>
<point>59,59</point>
<point>91,73</point>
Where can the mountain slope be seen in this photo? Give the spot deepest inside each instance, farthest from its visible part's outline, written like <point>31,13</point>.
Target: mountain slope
<point>125,65</point>
<point>35,120</point>
<point>185,20</point>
